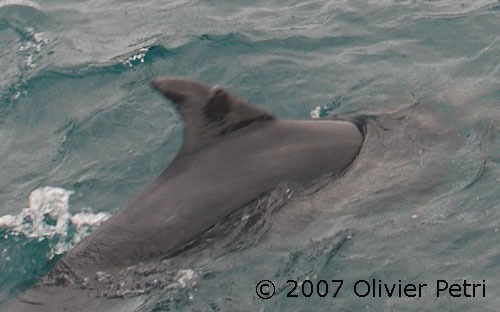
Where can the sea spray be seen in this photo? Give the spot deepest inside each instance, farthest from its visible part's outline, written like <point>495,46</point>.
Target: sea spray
<point>48,217</point>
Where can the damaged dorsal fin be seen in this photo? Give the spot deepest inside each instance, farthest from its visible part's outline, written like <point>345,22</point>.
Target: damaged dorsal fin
<point>209,113</point>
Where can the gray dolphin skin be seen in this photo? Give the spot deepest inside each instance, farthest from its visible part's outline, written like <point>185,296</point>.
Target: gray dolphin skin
<point>232,154</point>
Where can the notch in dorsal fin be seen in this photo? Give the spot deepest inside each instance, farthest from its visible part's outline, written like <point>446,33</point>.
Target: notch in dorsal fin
<point>209,113</point>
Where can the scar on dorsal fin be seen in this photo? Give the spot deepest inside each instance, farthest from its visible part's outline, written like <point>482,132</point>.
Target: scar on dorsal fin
<point>209,112</point>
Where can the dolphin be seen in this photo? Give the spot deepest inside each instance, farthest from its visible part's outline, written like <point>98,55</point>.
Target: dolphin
<point>232,154</point>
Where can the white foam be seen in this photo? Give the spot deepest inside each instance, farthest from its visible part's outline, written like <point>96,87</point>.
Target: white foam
<point>48,217</point>
<point>136,58</point>
<point>84,222</point>
<point>20,3</point>
<point>184,278</point>
<point>316,112</point>
<point>321,111</point>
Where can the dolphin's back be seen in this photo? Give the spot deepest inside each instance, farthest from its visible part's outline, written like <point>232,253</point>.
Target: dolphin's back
<point>198,190</point>
<point>232,153</point>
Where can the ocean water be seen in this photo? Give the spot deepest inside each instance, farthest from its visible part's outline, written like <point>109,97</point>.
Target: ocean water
<point>81,132</point>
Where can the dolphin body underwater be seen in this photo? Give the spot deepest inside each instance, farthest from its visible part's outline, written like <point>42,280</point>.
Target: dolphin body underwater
<point>232,154</point>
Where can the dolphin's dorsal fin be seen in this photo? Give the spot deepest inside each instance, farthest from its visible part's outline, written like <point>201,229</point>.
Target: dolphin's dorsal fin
<point>209,113</point>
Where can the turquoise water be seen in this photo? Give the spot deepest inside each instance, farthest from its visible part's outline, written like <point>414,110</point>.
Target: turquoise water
<point>77,113</point>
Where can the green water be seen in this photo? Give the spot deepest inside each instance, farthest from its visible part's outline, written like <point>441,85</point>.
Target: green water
<point>77,112</point>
